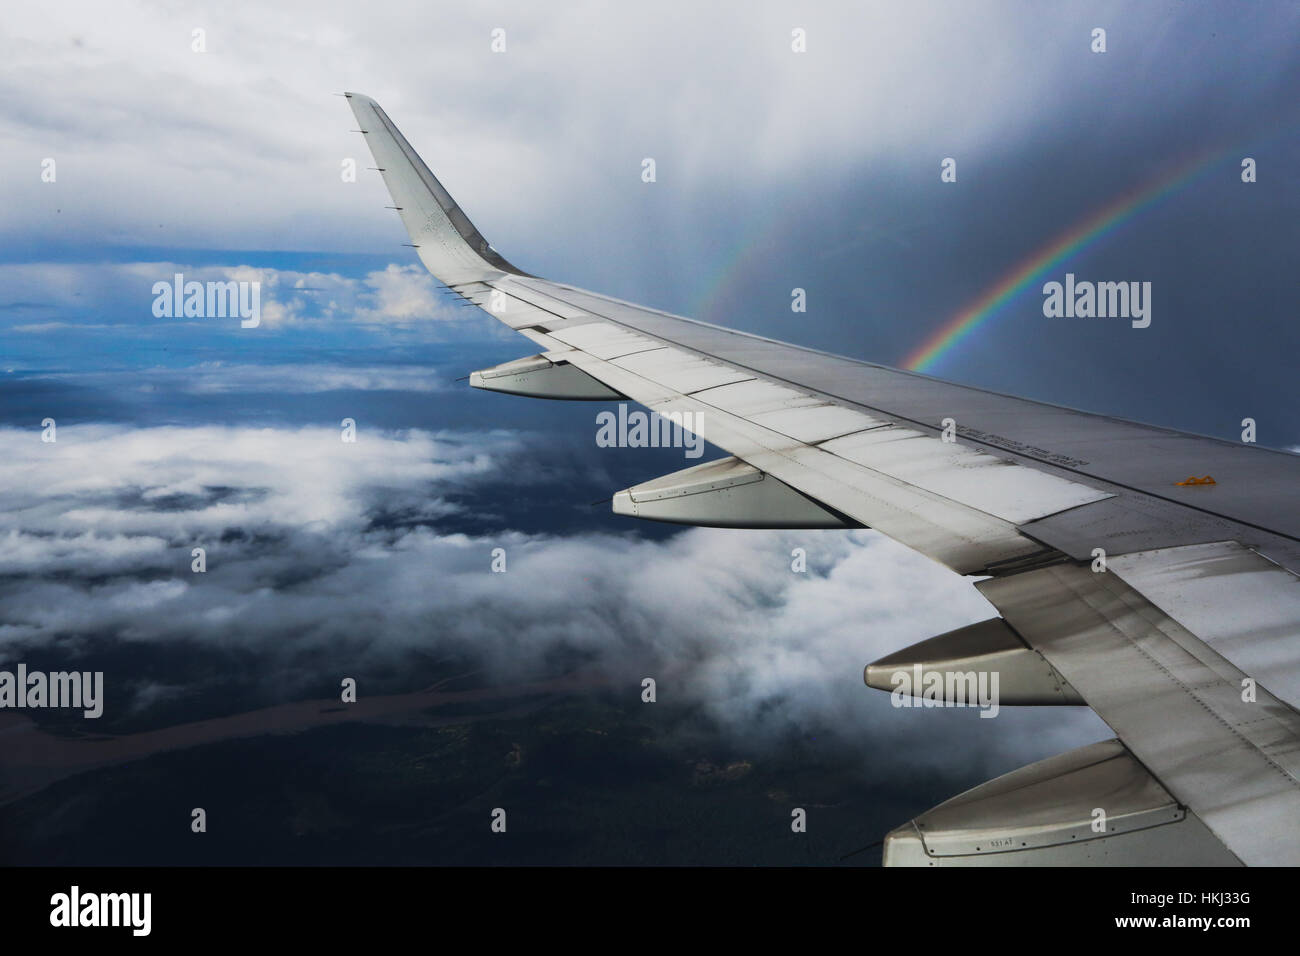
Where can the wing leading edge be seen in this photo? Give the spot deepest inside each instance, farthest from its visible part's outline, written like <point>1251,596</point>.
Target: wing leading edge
<point>1184,643</point>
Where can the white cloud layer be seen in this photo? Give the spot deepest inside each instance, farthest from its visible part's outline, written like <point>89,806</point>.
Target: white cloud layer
<point>122,294</point>
<point>98,530</point>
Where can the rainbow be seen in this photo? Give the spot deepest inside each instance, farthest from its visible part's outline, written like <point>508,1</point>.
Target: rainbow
<point>1074,240</point>
<point>746,254</point>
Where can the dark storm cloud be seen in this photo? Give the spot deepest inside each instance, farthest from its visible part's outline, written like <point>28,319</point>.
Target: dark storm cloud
<point>776,170</point>
<point>551,133</point>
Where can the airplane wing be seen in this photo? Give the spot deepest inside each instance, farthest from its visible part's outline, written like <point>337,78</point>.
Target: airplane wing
<point>1149,573</point>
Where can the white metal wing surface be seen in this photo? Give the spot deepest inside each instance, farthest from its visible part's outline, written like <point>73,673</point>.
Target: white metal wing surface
<point>1186,644</point>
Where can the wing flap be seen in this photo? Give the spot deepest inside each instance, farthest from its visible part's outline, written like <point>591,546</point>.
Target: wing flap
<point>681,371</point>
<point>1176,703</point>
<point>1204,587</point>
